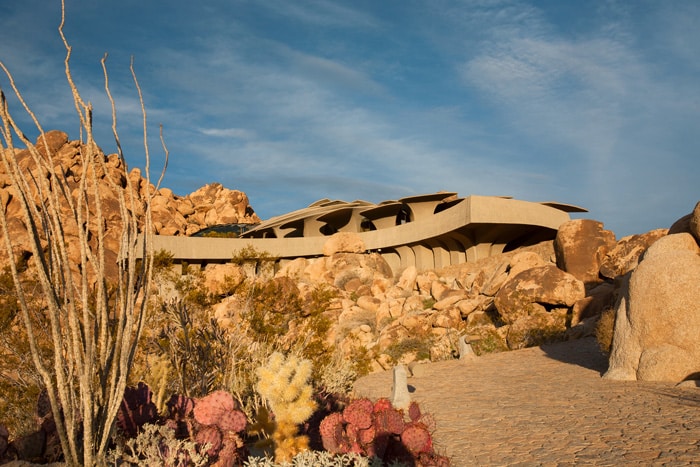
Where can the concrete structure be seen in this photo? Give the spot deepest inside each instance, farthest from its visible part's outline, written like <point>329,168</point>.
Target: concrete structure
<point>428,231</point>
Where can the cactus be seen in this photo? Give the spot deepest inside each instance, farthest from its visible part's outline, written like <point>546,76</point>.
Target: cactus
<point>210,435</point>
<point>136,410</point>
<point>382,404</point>
<point>414,412</point>
<point>284,384</point>
<point>221,410</point>
<point>359,413</point>
<point>180,407</point>
<point>389,421</point>
<point>233,451</point>
<point>387,435</point>
<point>332,431</point>
<point>417,439</point>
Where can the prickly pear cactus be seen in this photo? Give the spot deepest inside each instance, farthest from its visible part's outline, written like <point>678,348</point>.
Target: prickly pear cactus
<point>136,410</point>
<point>417,439</point>
<point>380,430</point>
<point>221,410</point>
<point>359,413</point>
<point>210,435</point>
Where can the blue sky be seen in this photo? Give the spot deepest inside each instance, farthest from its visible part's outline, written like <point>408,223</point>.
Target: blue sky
<point>592,103</point>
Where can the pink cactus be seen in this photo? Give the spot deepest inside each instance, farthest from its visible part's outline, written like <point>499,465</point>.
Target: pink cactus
<point>359,413</point>
<point>180,407</point>
<point>366,436</point>
<point>382,404</point>
<point>414,412</point>
<point>389,421</point>
<point>220,409</point>
<point>417,439</point>
<point>332,431</point>
<point>233,451</point>
<point>211,435</point>
<point>136,410</point>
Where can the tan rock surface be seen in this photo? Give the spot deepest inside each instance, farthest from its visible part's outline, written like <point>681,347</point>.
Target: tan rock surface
<point>624,256</point>
<point>658,319</point>
<point>580,247</point>
<point>536,287</point>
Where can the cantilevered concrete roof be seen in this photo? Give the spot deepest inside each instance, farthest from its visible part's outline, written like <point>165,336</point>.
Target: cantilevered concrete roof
<point>427,231</point>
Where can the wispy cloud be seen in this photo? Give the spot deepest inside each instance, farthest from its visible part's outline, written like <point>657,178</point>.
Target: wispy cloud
<point>322,13</point>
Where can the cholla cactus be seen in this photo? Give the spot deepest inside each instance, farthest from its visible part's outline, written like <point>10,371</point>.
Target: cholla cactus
<point>284,383</point>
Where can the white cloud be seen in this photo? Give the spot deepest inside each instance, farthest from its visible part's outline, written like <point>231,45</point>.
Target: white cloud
<point>237,133</point>
<point>322,13</point>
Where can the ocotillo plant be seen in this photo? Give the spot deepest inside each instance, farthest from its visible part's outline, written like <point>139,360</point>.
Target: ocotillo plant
<point>94,323</point>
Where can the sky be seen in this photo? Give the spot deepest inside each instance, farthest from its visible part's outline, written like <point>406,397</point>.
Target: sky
<point>590,103</point>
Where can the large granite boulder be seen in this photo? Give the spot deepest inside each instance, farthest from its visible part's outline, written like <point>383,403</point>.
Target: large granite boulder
<point>689,223</point>
<point>657,328</point>
<point>624,256</point>
<point>580,246</point>
<point>537,289</point>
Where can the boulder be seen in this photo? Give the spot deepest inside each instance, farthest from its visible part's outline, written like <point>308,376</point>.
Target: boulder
<point>624,256</point>
<point>535,329</point>
<point>580,246</point>
<point>537,289</point>
<point>223,279</point>
<point>689,223</point>
<point>407,280</point>
<point>598,299</point>
<point>524,260</point>
<point>53,140</point>
<point>657,328</point>
<point>343,242</point>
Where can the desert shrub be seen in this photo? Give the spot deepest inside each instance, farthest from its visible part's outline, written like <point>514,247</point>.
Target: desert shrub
<point>270,306</point>
<point>157,445</point>
<point>545,335</point>
<point>604,330</point>
<point>259,262</point>
<point>20,382</point>
<point>320,459</point>
<point>420,347</point>
<point>490,341</point>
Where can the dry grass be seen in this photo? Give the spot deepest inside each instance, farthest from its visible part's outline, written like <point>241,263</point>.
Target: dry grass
<point>604,330</point>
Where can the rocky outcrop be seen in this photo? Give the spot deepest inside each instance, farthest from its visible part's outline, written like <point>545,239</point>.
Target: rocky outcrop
<point>580,246</point>
<point>421,315</point>
<point>537,300</point>
<point>172,215</point>
<point>658,319</point>
<point>624,256</point>
<point>689,223</point>
<point>208,206</point>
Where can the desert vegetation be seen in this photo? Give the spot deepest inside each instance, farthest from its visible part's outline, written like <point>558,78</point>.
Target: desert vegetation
<point>113,356</point>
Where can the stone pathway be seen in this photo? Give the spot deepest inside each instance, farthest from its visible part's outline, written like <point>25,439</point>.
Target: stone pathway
<point>549,406</point>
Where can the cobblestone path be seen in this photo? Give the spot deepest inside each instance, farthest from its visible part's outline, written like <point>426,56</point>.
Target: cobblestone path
<point>549,406</point>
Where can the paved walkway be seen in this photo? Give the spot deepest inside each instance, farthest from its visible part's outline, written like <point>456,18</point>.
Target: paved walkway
<point>549,406</point>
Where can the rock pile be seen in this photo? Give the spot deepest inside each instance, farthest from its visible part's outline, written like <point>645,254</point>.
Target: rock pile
<point>509,301</point>
<point>658,317</point>
<point>172,215</point>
